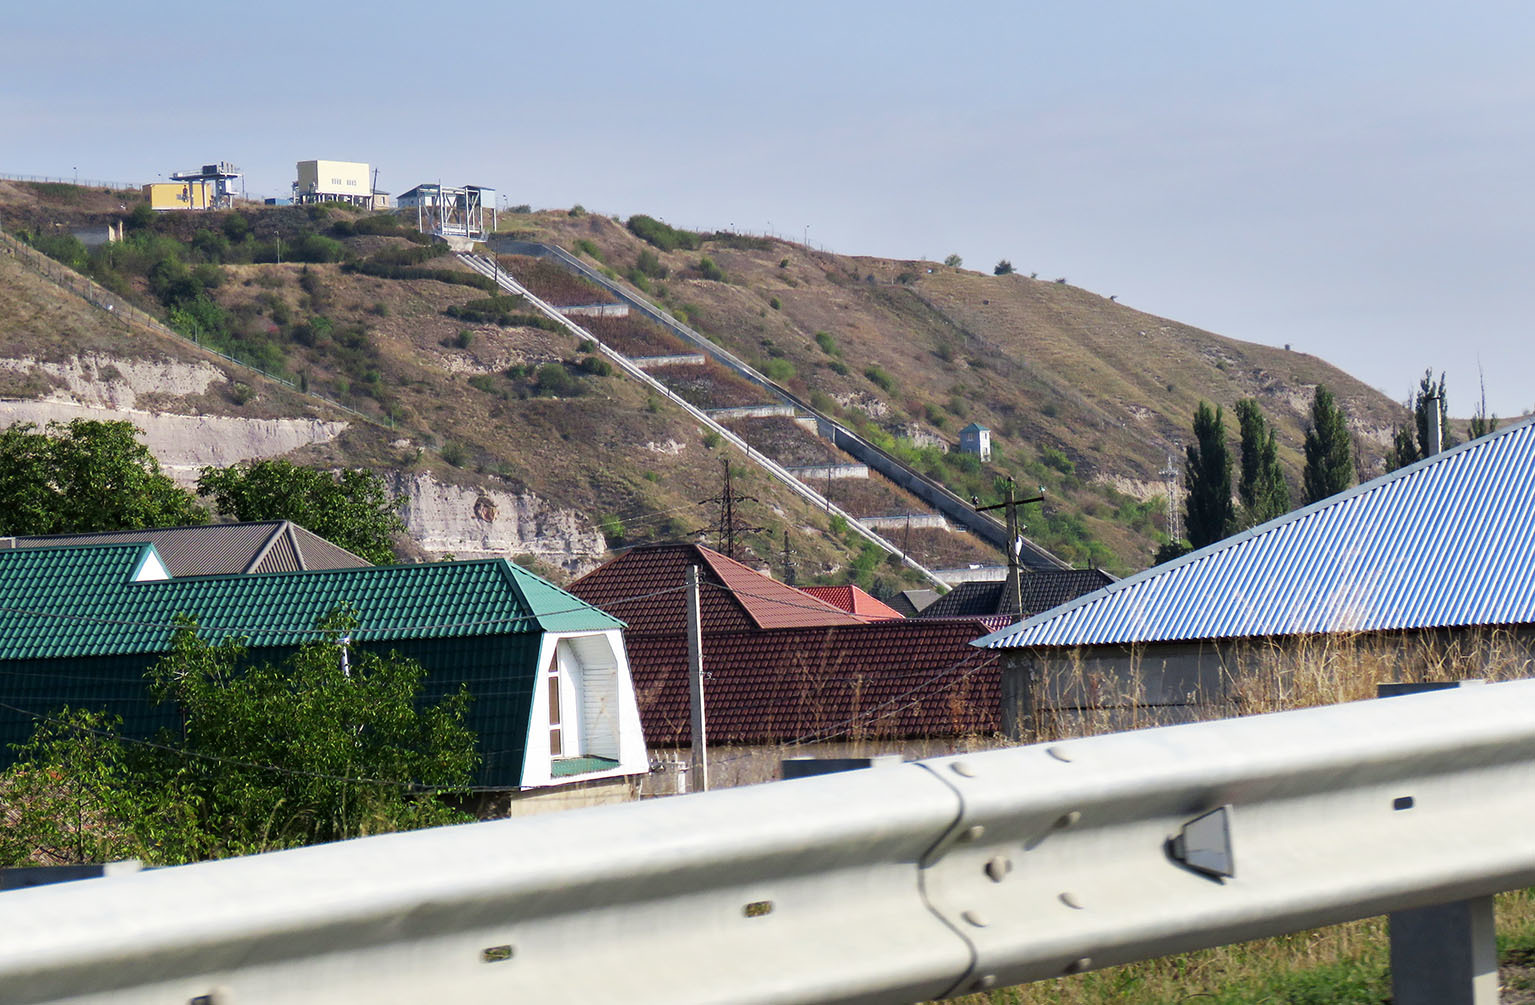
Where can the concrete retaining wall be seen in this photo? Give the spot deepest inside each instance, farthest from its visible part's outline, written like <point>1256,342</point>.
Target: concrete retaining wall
<point>916,521</point>
<point>596,311</point>
<point>657,362</point>
<point>751,412</point>
<point>824,472</point>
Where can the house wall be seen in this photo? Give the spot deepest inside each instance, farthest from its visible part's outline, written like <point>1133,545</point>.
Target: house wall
<point>600,716</point>
<point>1069,692</point>
<point>497,670</point>
<point>178,195</point>
<point>343,179</point>
<point>734,765</point>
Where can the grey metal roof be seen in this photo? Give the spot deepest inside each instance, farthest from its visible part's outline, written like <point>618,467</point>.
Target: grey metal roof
<point>1448,541</point>
<point>218,549</point>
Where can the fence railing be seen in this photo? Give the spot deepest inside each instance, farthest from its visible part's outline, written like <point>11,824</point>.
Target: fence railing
<point>116,186</point>
<point>891,884</point>
<point>928,490</point>
<point>772,467</point>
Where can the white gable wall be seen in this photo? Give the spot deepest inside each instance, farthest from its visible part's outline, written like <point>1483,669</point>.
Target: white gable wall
<point>599,717</point>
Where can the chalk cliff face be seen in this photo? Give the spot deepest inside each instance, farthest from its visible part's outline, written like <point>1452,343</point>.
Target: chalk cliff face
<point>159,397</point>
<point>483,523</point>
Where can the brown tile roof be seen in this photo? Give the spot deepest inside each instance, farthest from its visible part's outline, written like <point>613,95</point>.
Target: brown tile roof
<point>643,587</point>
<point>853,600</point>
<point>784,666</point>
<point>1041,591</point>
<point>886,680</point>
<point>217,549</point>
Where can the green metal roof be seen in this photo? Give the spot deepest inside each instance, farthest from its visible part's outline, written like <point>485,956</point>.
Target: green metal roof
<point>73,602</point>
<point>76,630</point>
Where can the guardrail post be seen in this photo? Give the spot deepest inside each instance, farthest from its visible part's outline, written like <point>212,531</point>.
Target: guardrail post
<point>1446,954</point>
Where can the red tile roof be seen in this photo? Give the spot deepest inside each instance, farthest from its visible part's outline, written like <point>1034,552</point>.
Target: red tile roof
<point>853,600</point>
<point>644,588</point>
<point>783,666</point>
<point>887,680</point>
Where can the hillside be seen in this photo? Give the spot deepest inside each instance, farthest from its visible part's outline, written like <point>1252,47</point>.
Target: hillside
<point>491,414</point>
<point>1083,395</point>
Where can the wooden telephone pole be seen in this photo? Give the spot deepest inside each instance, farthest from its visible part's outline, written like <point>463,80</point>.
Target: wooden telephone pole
<point>1014,587</point>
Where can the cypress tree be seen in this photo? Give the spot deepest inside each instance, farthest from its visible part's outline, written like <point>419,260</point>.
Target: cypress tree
<point>1209,515</point>
<point>1329,449</point>
<point>1260,484</point>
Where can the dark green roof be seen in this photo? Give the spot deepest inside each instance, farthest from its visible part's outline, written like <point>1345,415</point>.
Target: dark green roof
<point>72,602</point>
<point>76,630</point>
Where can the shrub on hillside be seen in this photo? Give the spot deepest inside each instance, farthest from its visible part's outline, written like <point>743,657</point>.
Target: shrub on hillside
<point>881,379</point>
<point>663,236</point>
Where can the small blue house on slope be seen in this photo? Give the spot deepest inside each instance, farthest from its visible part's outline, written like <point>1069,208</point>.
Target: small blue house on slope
<point>552,701</point>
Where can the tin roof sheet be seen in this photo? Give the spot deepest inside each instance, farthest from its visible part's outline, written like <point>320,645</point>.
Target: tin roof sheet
<point>1446,542</point>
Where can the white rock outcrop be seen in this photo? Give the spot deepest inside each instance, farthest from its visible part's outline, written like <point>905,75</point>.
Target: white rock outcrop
<point>487,523</point>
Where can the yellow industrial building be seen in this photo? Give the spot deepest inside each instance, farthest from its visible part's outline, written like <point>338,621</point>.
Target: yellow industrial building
<point>164,195</point>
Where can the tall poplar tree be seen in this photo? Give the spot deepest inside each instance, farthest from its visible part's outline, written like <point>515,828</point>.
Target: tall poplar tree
<point>1260,484</point>
<point>1329,449</point>
<point>1209,514</point>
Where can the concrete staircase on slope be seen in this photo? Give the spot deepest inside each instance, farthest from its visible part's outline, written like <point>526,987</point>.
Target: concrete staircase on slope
<point>509,283</point>
<point>851,448</point>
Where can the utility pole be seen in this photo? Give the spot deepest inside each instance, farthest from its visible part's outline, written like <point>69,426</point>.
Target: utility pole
<point>1170,473</point>
<point>698,764</point>
<point>727,529</point>
<point>1014,587</point>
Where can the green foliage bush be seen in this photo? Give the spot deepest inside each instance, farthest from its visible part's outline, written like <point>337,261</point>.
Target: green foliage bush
<point>711,271</point>
<point>662,235</point>
<point>86,476</point>
<point>1058,460</point>
<point>881,379</point>
<point>780,370</point>
<point>588,247</point>
<point>506,311</point>
<point>828,344</point>
<point>352,508</point>
<point>596,366</point>
<point>269,755</point>
<point>554,380</point>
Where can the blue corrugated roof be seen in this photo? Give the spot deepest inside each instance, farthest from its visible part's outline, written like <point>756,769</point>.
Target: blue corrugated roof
<point>1448,541</point>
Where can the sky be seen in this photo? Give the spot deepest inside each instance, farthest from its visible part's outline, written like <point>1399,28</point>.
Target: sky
<point>1352,179</point>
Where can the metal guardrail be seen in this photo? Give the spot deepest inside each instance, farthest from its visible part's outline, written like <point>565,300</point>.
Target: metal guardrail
<point>894,884</point>
<point>950,504</point>
<point>623,362</point>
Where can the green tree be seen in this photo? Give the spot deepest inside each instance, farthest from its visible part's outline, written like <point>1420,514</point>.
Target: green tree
<point>351,508</point>
<point>1261,486</point>
<point>1003,268</point>
<point>1404,448</point>
<point>1329,449</point>
<point>1481,423</point>
<point>316,747</point>
<point>86,476</point>
<point>70,797</point>
<point>953,261</point>
<point>1209,515</point>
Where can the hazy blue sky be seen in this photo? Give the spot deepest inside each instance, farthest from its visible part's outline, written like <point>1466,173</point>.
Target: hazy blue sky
<point>1353,179</point>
